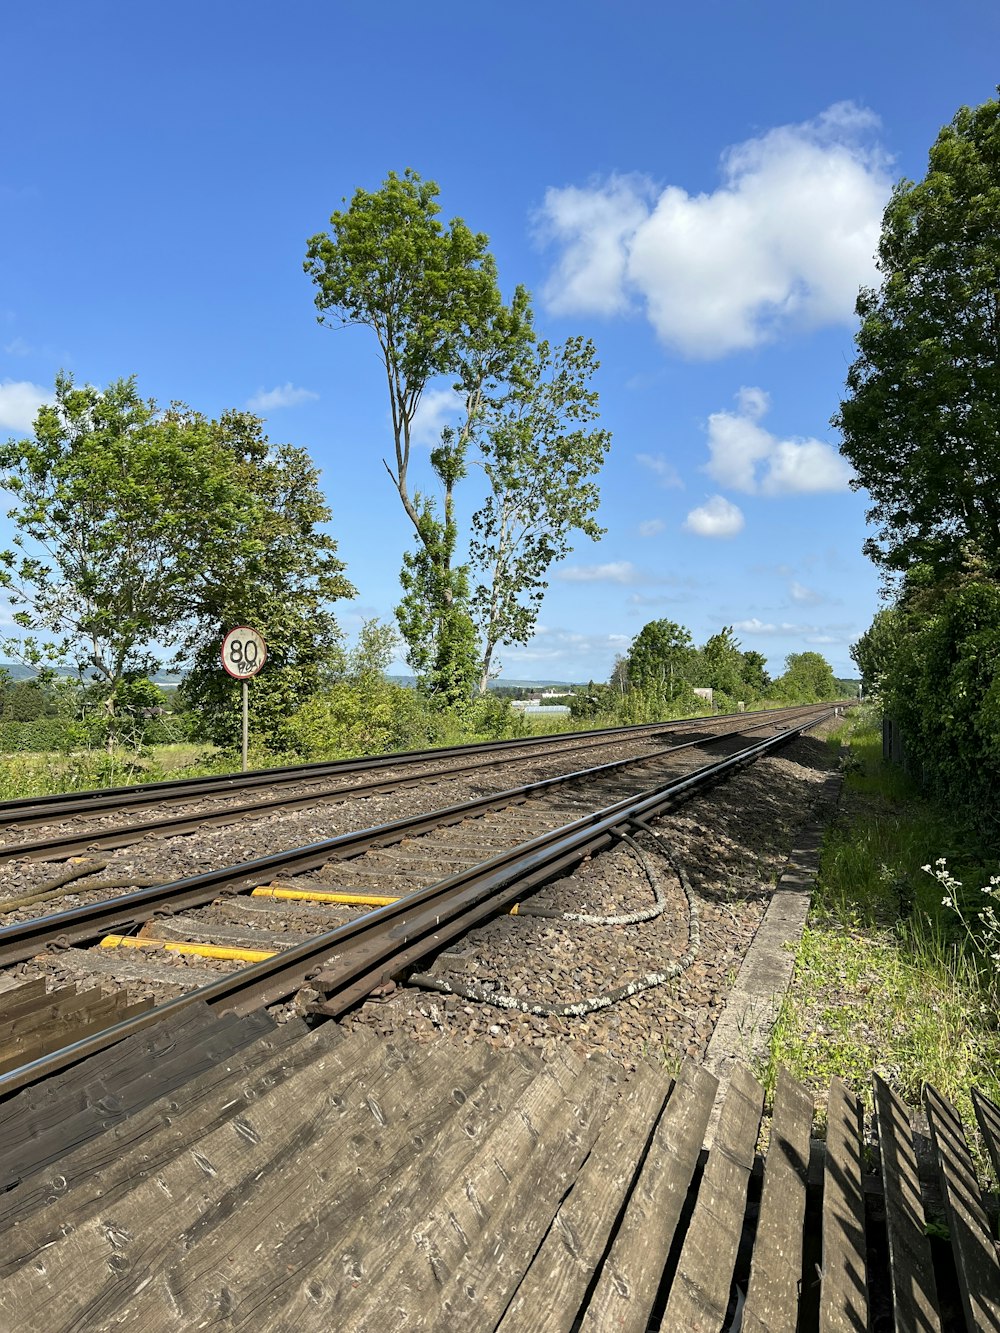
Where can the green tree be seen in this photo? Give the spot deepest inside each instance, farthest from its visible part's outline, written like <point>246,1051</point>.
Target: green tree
<point>874,651</point>
<point>430,295</point>
<point>808,679</point>
<point>919,421</point>
<point>23,700</point>
<point>539,457</point>
<point>272,566</point>
<point>360,711</point>
<point>140,531</point>
<point>662,655</point>
<point>721,664</point>
<point>433,615</point>
<point>754,673</point>
<point>104,530</point>
<point>943,688</point>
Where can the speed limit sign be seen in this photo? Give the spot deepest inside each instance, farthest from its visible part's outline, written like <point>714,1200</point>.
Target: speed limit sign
<point>243,652</point>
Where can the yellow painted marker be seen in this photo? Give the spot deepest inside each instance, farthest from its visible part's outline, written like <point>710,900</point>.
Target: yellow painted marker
<point>188,946</point>
<point>315,896</point>
<point>343,899</point>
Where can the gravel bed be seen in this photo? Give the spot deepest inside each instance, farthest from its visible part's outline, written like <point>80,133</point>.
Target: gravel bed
<point>731,844</point>
<point>731,847</point>
<point>165,859</point>
<point>336,788</point>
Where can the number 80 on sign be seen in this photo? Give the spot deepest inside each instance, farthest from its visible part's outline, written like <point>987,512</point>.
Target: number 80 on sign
<point>243,652</point>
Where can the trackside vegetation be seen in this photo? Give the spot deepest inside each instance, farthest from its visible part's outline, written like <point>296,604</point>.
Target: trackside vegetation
<point>921,428</point>
<point>898,969</point>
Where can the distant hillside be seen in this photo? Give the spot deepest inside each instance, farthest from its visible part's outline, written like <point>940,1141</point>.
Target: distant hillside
<point>17,671</point>
<point>505,683</point>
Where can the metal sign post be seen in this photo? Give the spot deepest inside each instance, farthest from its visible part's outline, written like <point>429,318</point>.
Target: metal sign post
<point>245,691</point>
<point>243,654</point>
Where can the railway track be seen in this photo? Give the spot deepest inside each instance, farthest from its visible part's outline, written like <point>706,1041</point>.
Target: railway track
<point>309,785</point>
<point>500,847</point>
<point>32,810</point>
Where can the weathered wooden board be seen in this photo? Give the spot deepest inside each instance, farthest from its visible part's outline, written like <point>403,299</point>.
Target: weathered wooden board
<point>701,1287</point>
<point>844,1289</point>
<point>971,1241</point>
<point>55,1095</point>
<point>89,1012</point>
<point>34,1010</point>
<point>19,997</point>
<point>95,1018</point>
<point>552,1291</point>
<point>97,1266</point>
<point>102,1169</point>
<point>914,1290</point>
<point>630,1277</point>
<point>772,1301</point>
<point>420,1153</point>
<point>988,1115</point>
<point>49,1021</point>
<point>41,1141</point>
<point>465,1255</point>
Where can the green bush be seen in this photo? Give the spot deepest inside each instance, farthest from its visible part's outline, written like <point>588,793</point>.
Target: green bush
<point>43,733</point>
<point>365,716</point>
<point>943,689</point>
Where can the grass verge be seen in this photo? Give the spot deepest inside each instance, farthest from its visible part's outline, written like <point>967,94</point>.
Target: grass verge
<point>885,977</point>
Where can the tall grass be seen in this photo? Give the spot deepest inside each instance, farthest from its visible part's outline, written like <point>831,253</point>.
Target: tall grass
<point>885,977</point>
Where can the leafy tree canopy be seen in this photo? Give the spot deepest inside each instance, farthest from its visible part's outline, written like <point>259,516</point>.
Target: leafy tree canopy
<point>721,664</point>
<point>428,292</point>
<point>754,673</point>
<point>140,530</point>
<point>808,678</point>
<point>540,456</point>
<point>430,295</point>
<point>921,416</point>
<point>661,653</point>
<point>874,651</point>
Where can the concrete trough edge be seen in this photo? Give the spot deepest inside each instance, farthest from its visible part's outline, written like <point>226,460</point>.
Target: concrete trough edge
<point>743,1032</point>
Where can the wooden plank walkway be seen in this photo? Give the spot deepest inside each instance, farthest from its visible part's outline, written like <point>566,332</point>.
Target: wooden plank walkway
<point>225,1173</point>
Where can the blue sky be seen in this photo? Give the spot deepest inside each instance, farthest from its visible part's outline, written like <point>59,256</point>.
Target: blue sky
<point>697,189</point>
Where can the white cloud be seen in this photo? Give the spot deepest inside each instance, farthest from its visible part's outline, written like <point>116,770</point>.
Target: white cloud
<point>756,626</point>
<point>571,655</point>
<point>17,347</point>
<point>671,598</point>
<point>594,225</point>
<point>623,572</point>
<point>803,595</point>
<point>651,527</point>
<point>746,457</point>
<point>810,633</point>
<point>717,517</point>
<point>785,240</point>
<point>664,470</point>
<point>433,411</point>
<point>19,402</point>
<point>616,571</point>
<point>285,395</point>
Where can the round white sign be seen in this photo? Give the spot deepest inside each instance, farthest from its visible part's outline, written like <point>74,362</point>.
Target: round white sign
<point>243,652</point>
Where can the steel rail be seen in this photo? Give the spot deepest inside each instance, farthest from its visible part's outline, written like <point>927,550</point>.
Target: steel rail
<point>66,844</point>
<point>386,940</point>
<point>35,809</point>
<point>39,809</point>
<point>23,939</point>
